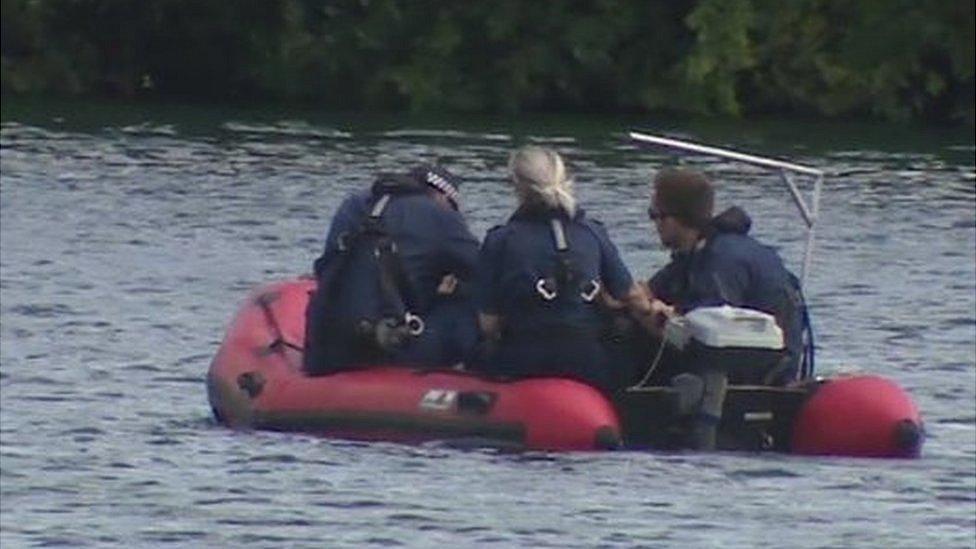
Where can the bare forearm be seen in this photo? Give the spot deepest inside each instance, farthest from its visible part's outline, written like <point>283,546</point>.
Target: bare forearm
<point>649,311</point>
<point>637,301</point>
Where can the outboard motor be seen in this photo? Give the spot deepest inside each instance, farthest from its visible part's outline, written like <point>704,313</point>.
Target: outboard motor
<point>720,345</point>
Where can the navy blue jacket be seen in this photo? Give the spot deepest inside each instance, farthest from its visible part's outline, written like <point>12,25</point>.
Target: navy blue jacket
<point>516,255</point>
<point>733,268</point>
<point>431,241</point>
<point>549,337</point>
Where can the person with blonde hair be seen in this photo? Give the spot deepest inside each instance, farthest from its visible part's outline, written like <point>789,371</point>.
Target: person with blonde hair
<point>541,279</point>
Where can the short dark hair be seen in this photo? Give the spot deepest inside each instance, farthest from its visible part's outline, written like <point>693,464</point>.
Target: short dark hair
<point>686,195</point>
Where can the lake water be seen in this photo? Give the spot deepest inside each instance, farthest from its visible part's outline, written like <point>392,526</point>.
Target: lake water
<point>130,235</point>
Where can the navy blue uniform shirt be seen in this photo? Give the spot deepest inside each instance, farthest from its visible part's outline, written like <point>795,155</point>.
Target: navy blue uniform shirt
<point>516,255</point>
<point>561,337</point>
<point>431,240</point>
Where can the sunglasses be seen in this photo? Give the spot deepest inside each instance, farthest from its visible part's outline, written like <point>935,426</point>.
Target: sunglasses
<point>655,214</point>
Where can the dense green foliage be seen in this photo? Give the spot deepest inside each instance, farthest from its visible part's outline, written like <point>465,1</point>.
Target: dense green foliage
<point>896,59</point>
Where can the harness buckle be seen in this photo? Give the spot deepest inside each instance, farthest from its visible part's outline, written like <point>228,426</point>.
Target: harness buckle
<point>415,325</point>
<point>543,287</point>
<point>589,294</point>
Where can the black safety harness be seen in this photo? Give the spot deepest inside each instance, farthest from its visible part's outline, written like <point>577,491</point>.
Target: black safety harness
<point>398,319</point>
<point>566,280</point>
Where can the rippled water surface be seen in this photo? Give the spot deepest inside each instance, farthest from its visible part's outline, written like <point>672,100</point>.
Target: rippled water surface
<point>130,236</point>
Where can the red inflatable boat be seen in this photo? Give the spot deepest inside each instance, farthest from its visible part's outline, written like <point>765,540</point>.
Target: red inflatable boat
<point>255,381</point>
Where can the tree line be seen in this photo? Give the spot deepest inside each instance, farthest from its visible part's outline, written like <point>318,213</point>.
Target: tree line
<point>889,59</point>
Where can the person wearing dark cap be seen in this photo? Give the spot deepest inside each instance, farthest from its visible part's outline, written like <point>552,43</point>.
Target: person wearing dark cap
<point>393,278</point>
<point>714,261</point>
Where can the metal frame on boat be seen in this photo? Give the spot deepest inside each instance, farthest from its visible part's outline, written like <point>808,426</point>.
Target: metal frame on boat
<point>809,212</point>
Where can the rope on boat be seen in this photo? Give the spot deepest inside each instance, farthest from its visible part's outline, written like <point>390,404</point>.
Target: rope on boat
<point>650,370</point>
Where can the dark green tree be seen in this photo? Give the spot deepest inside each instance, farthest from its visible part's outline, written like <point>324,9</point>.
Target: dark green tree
<point>893,59</point>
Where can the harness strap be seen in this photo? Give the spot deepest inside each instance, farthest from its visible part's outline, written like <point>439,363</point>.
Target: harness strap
<point>395,285</point>
<point>394,281</point>
<point>566,274</point>
<point>379,207</point>
<point>346,241</point>
<point>559,234</point>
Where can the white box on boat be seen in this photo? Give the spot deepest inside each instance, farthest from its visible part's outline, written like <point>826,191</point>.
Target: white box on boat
<point>725,327</point>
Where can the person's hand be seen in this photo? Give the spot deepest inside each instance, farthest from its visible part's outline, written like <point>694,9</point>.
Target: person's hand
<point>657,316</point>
<point>609,302</point>
<point>447,285</point>
<point>662,310</point>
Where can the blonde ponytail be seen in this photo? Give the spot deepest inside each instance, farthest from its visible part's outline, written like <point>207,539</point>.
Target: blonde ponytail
<point>540,176</point>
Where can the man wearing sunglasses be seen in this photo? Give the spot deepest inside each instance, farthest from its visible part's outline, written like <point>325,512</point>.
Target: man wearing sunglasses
<point>714,261</point>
